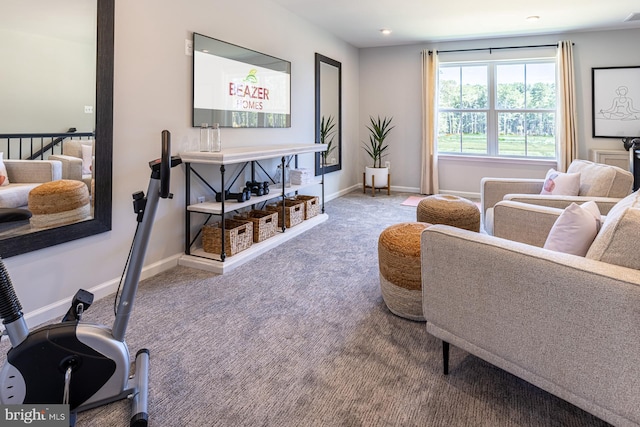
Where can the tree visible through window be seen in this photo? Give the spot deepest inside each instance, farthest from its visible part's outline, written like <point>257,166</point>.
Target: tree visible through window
<point>498,109</point>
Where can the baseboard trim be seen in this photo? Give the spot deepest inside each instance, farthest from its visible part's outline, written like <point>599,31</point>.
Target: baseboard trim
<point>341,192</point>
<point>465,194</point>
<point>405,189</point>
<point>57,309</point>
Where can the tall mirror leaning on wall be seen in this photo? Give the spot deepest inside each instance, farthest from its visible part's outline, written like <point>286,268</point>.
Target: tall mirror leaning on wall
<point>328,92</point>
<point>57,92</point>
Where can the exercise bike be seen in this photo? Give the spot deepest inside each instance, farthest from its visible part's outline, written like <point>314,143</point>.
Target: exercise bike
<point>80,364</point>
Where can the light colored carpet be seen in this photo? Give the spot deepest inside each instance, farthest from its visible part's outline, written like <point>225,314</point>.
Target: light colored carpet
<point>301,337</point>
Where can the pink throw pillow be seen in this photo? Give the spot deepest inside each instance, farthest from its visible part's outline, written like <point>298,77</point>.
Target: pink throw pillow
<point>563,184</point>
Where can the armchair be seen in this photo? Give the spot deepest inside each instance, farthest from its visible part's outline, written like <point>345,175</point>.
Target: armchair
<point>604,184</point>
<point>77,160</point>
<point>565,323</point>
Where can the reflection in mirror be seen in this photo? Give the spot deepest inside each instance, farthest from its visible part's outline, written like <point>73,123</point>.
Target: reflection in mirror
<point>328,113</point>
<point>57,121</point>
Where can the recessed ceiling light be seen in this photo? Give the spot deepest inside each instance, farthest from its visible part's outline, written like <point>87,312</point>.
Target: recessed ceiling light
<point>385,31</point>
<point>533,18</point>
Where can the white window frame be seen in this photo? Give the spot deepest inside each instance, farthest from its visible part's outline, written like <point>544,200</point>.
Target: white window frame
<point>492,111</point>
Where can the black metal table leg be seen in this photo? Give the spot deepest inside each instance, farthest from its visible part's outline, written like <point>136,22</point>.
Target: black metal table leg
<point>223,254</point>
<point>284,194</point>
<point>445,357</point>
<point>187,222</point>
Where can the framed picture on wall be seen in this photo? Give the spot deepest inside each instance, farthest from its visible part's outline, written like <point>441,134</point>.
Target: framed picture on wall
<point>616,102</point>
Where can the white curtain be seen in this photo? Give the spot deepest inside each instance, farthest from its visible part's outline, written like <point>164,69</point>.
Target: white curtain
<point>429,170</point>
<point>567,117</point>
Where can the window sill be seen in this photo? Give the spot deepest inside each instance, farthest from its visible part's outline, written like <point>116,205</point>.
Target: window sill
<point>498,160</point>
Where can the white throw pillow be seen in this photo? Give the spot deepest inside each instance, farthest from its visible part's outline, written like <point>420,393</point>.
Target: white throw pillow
<point>617,242</point>
<point>574,230</point>
<point>87,159</point>
<point>563,184</point>
<point>4,178</point>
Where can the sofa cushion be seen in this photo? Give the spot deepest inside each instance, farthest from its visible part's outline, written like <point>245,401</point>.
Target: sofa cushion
<point>558,183</point>
<point>574,230</point>
<point>16,195</point>
<point>4,177</point>
<point>599,180</point>
<point>617,241</point>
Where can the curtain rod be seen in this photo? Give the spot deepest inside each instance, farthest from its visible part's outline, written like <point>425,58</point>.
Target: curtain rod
<point>497,48</point>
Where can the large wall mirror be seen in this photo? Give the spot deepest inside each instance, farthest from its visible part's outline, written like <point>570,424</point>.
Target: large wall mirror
<point>82,81</point>
<point>328,113</point>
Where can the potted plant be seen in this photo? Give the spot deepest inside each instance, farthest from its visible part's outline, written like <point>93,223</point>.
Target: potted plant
<point>327,132</point>
<point>379,130</point>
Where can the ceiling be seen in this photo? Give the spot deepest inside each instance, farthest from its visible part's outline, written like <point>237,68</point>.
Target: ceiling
<point>421,21</point>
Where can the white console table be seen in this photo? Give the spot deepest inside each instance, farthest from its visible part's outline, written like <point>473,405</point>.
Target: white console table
<point>197,257</point>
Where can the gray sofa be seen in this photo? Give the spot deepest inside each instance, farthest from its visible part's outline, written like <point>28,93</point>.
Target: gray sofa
<point>24,175</point>
<point>567,324</point>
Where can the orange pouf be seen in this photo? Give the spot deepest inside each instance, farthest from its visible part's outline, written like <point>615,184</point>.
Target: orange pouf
<point>450,210</point>
<point>58,203</point>
<point>400,274</point>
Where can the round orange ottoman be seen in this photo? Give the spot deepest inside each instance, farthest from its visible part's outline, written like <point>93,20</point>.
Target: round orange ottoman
<point>58,203</point>
<point>449,210</point>
<point>400,275</point>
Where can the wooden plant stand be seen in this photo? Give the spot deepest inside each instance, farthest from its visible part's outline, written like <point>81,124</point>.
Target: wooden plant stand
<point>373,185</point>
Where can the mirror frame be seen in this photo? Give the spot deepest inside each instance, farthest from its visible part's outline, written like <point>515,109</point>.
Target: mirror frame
<point>101,221</point>
<point>320,59</point>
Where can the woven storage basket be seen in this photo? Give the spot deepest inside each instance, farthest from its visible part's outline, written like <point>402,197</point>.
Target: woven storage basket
<point>265,223</point>
<point>311,205</point>
<point>238,236</point>
<point>294,212</point>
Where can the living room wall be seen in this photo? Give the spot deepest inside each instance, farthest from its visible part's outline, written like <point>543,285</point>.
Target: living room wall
<point>153,78</point>
<point>401,64</point>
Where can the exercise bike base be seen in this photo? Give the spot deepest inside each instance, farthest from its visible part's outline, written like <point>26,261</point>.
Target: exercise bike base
<point>140,397</point>
<point>140,420</point>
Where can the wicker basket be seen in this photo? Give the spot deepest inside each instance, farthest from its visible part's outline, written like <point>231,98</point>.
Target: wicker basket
<point>311,205</point>
<point>265,223</point>
<point>238,236</point>
<point>294,212</point>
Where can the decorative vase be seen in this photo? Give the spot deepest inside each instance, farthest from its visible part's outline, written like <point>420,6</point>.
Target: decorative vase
<point>380,177</point>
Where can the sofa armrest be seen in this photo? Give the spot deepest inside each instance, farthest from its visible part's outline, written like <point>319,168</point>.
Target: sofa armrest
<point>523,222</point>
<point>564,323</point>
<point>33,171</point>
<point>492,190</point>
<point>604,203</point>
<point>71,166</point>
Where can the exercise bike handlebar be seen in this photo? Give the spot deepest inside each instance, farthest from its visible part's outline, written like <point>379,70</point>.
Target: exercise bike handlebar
<point>158,188</point>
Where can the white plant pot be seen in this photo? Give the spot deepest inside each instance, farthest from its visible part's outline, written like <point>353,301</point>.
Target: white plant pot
<point>380,176</point>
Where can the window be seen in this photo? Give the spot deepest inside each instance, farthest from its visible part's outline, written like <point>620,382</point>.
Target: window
<point>499,108</point>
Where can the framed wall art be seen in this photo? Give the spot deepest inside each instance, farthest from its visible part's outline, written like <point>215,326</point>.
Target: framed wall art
<point>616,102</point>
